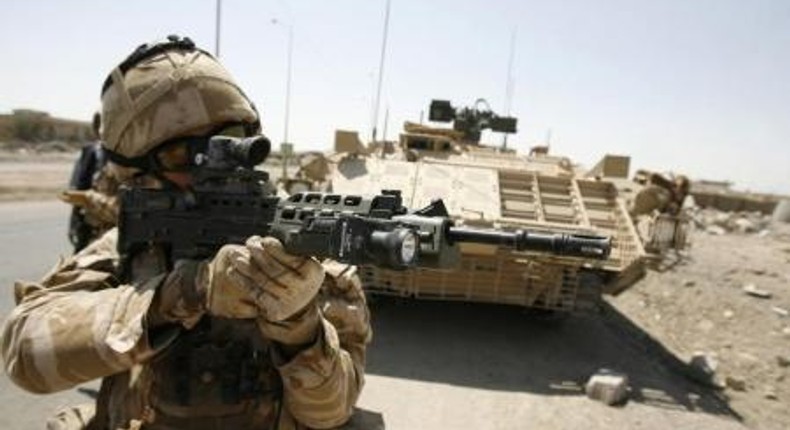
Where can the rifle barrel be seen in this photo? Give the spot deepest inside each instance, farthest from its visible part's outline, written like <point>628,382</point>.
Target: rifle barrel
<point>555,243</point>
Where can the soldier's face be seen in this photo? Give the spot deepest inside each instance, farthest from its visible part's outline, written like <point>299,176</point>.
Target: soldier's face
<point>182,179</point>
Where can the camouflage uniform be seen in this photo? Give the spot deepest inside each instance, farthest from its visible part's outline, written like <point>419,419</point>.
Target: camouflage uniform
<point>249,339</point>
<point>79,323</point>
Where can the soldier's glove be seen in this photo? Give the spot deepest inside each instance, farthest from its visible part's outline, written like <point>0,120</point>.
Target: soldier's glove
<point>300,329</point>
<point>343,303</point>
<point>100,209</point>
<point>259,280</point>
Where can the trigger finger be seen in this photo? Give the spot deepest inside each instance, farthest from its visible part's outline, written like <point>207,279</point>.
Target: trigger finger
<point>272,263</point>
<point>257,280</point>
<point>276,249</point>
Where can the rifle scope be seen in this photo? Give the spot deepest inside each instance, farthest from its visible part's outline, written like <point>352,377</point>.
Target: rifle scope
<point>229,153</point>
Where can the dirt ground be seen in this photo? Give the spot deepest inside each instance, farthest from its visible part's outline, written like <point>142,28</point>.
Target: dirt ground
<point>34,176</point>
<point>698,303</point>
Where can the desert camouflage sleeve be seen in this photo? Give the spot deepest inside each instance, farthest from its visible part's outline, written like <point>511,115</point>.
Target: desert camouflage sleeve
<point>77,324</point>
<point>322,383</point>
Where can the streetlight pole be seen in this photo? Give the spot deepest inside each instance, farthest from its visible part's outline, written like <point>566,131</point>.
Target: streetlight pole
<point>509,83</point>
<point>285,147</point>
<point>288,82</point>
<point>381,73</point>
<point>217,30</point>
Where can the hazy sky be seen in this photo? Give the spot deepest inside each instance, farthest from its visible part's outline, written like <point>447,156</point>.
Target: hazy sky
<point>695,86</point>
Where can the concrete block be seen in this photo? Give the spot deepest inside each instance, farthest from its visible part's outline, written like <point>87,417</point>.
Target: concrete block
<point>608,387</point>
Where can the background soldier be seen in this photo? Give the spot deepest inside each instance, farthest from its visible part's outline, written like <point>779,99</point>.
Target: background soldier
<point>90,192</point>
<point>251,338</point>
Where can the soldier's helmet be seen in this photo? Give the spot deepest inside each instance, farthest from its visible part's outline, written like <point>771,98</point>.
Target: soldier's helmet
<point>169,92</point>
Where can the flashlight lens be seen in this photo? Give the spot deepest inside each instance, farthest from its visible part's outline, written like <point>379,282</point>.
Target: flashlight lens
<point>408,249</point>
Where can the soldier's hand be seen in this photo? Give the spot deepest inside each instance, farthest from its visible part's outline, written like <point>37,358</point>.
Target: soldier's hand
<point>101,208</point>
<point>77,198</point>
<point>296,332</point>
<point>342,303</point>
<point>260,280</point>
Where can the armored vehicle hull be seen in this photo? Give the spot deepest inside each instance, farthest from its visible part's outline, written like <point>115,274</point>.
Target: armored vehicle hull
<point>489,188</point>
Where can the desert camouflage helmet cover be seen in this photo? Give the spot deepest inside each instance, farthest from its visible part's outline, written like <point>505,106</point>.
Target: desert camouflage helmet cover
<point>171,89</point>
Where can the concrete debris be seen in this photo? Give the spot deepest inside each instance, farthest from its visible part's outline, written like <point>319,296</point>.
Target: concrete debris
<point>728,314</point>
<point>608,387</point>
<point>703,366</point>
<point>743,225</point>
<point>715,230</point>
<point>735,383</point>
<point>752,290</point>
<point>764,233</point>
<point>716,222</point>
<point>782,312</point>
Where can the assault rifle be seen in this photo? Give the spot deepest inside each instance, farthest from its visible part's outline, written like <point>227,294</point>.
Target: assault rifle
<point>231,201</point>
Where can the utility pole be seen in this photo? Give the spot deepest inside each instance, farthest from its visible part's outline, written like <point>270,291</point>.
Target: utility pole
<point>386,122</point>
<point>217,29</point>
<point>509,83</point>
<point>381,73</point>
<point>288,82</point>
<point>286,147</point>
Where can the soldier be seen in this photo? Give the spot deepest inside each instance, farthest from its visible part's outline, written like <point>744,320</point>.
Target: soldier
<point>83,225</point>
<point>253,338</point>
<point>92,193</point>
<point>661,194</point>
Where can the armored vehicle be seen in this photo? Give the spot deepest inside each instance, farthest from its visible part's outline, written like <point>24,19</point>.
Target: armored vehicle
<point>494,188</point>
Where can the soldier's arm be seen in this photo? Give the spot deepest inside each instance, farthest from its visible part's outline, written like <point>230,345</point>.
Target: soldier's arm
<point>323,382</point>
<point>77,324</point>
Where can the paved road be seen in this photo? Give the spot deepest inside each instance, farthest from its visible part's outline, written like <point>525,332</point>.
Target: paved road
<point>431,365</point>
<point>32,236</point>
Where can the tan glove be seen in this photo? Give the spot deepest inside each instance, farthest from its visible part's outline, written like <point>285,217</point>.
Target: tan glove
<point>300,329</point>
<point>260,279</point>
<point>100,209</point>
<point>342,302</point>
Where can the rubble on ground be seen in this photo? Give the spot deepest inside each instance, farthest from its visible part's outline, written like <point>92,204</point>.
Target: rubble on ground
<point>725,310</point>
<point>717,222</point>
<point>753,291</point>
<point>608,387</point>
